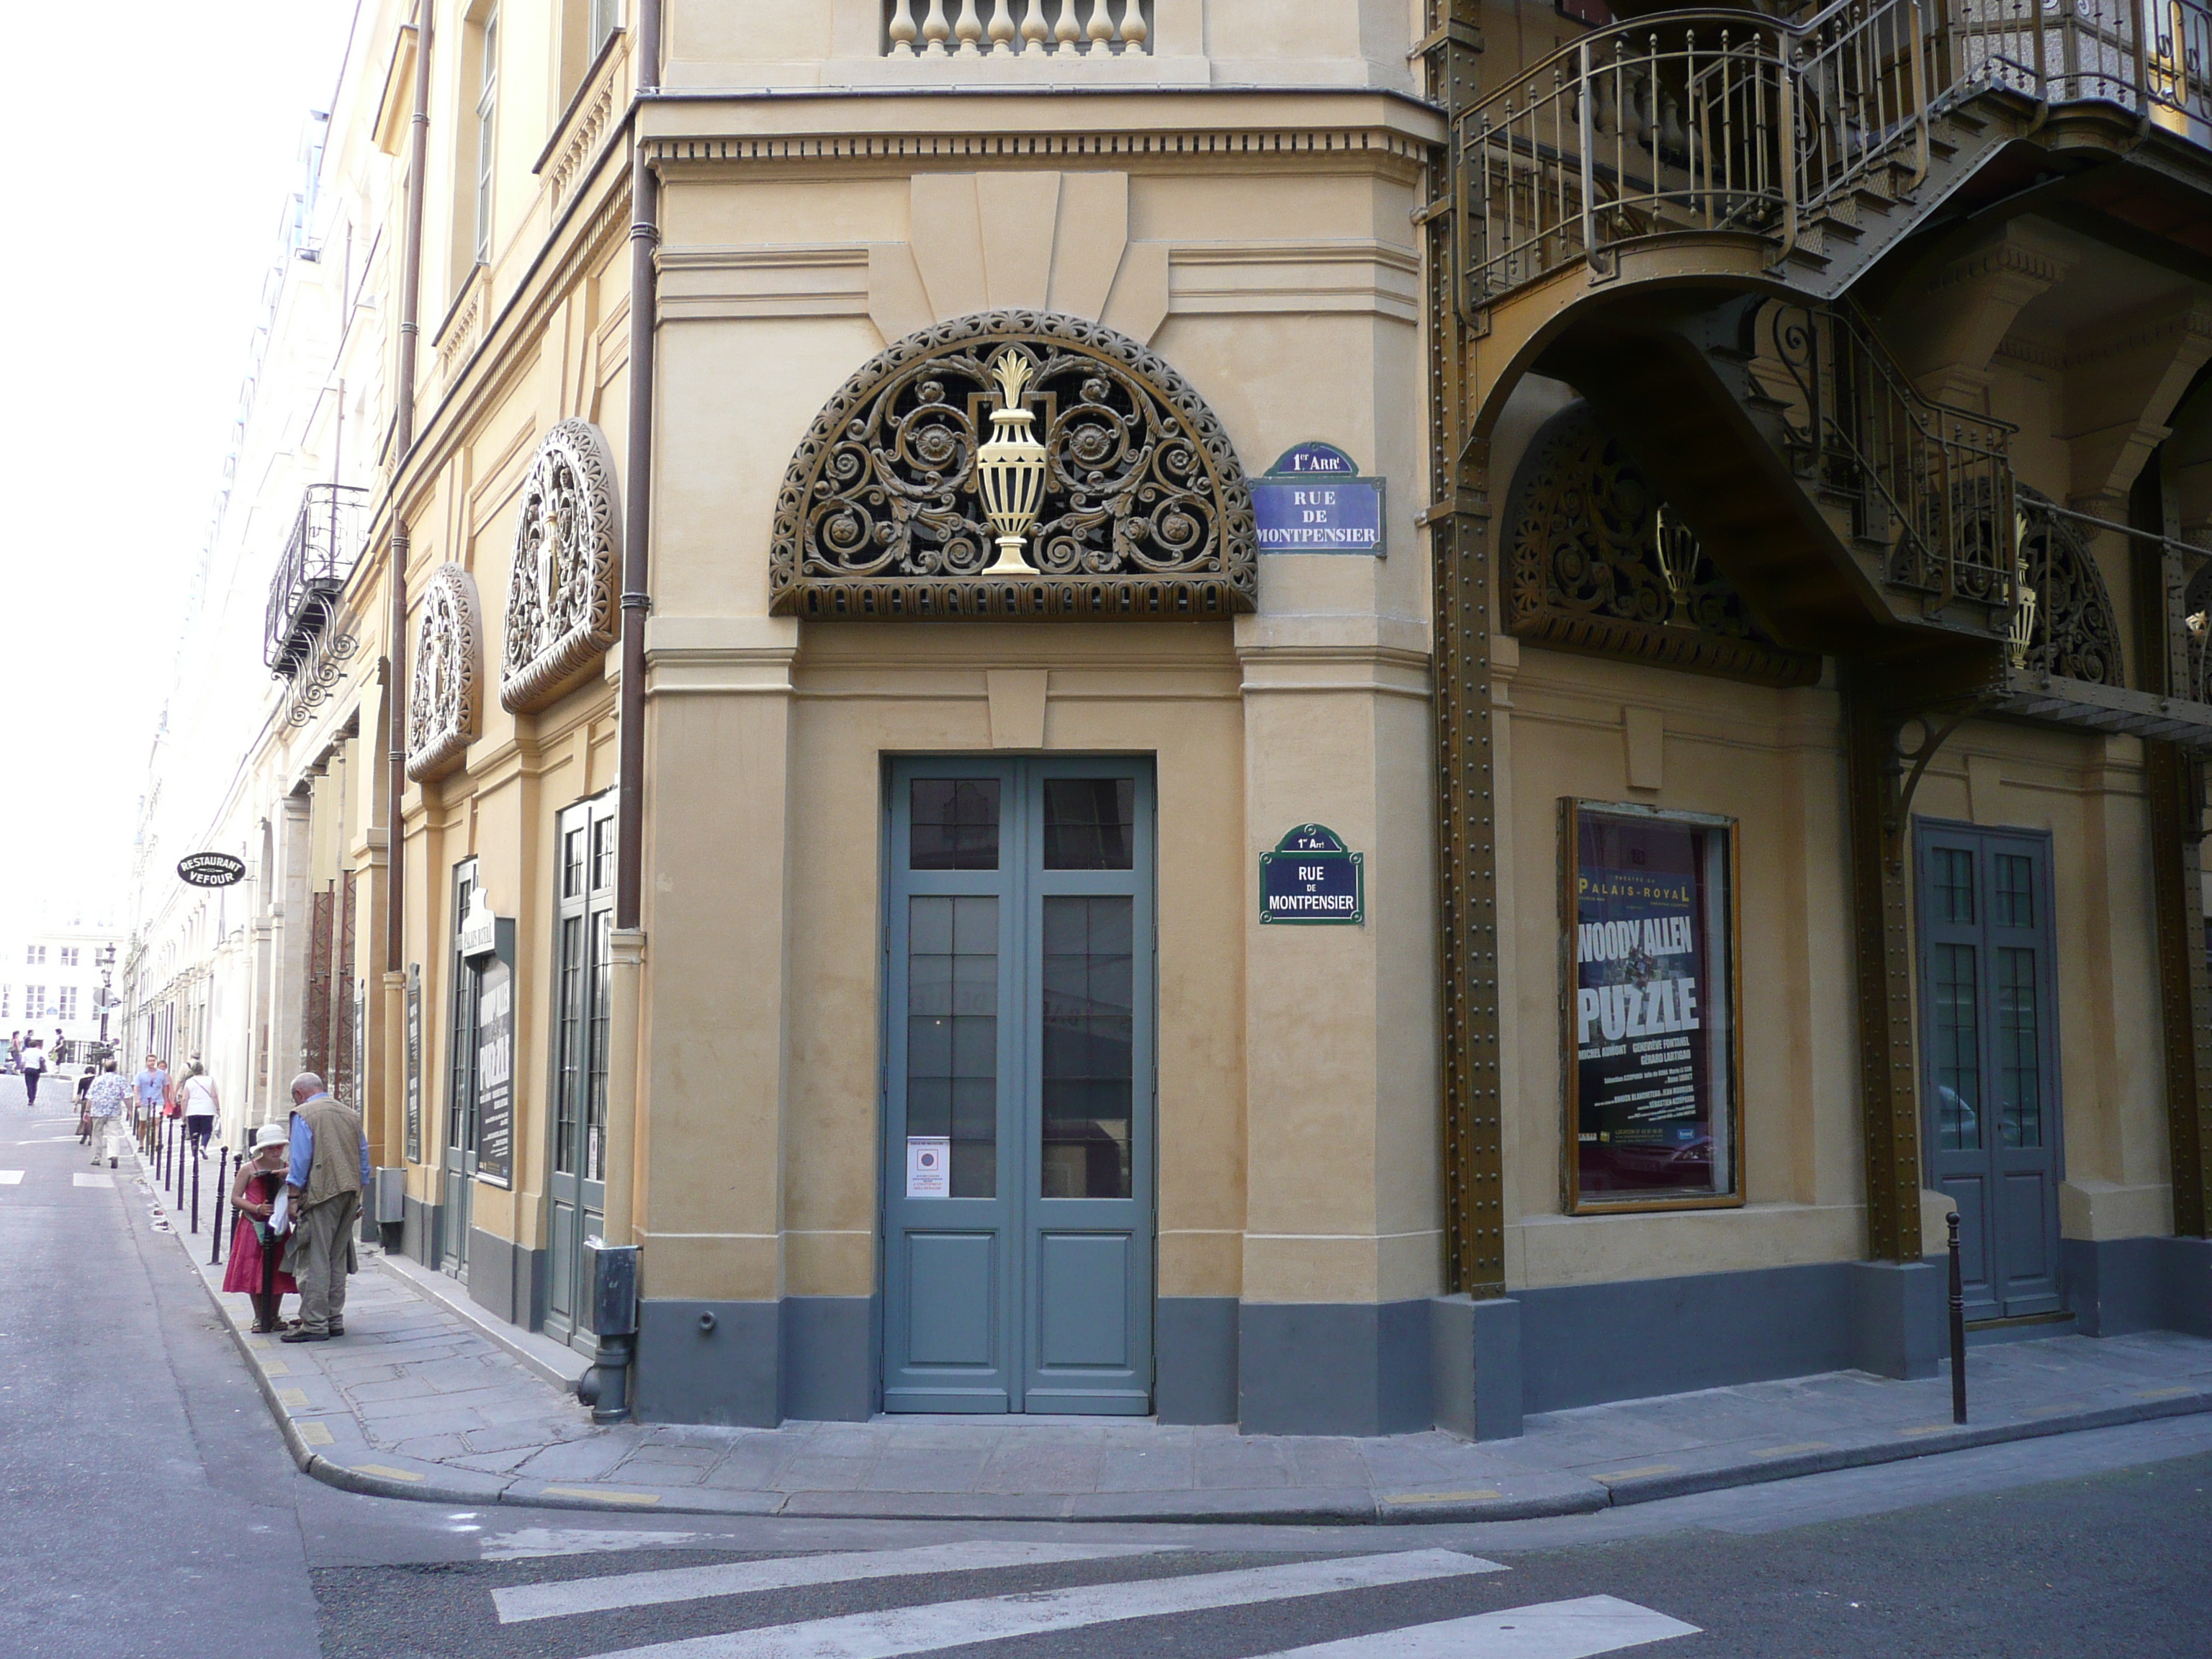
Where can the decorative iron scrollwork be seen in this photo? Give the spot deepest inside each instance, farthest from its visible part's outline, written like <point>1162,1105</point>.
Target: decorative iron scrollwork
<point>444,698</point>
<point>318,673</point>
<point>2073,632</point>
<point>567,543</point>
<point>1145,510</point>
<point>1597,562</point>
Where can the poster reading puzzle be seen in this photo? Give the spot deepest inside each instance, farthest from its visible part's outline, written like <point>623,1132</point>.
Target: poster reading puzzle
<point>1652,1021</point>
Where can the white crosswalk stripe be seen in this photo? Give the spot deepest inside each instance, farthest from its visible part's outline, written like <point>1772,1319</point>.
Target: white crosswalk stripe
<point>103,1179</point>
<point>1580,1628</point>
<point>640,1590</point>
<point>11,1177</point>
<point>905,1631</point>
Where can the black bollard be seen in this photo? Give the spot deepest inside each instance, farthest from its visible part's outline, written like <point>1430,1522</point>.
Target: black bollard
<point>162,1153</point>
<point>1958,1326</point>
<point>221,1208</point>
<point>196,1186</point>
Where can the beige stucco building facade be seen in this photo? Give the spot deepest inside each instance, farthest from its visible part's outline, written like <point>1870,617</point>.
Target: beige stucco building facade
<point>1611,610</point>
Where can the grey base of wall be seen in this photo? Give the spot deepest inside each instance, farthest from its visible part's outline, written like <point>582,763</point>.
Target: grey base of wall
<point>418,1232</point>
<point>507,1279</point>
<point>2117,1285</point>
<point>1195,1358</point>
<point>755,1365</point>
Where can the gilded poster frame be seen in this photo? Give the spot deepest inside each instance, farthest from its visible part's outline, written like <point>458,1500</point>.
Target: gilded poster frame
<point>1571,1201</point>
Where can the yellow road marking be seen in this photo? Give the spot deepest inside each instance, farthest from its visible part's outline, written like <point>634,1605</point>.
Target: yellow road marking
<point>2164,1393</point>
<point>1786,1451</point>
<point>314,1434</point>
<point>276,1368</point>
<point>1631,1474</point>
<point>611,1497</point>
<point>292,1398</point>
<point>1437,1497</point>
<point>386,1470</point>
<point>1927,1428</point>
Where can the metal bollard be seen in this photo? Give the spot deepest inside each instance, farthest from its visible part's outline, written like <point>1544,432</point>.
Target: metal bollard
<point>222,1207</point>
<point>197,1161</point>
<point>1958,1325</point>
<point>162,1153</point>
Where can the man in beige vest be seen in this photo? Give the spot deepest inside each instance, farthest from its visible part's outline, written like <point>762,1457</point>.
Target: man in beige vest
<point>323,1187</point>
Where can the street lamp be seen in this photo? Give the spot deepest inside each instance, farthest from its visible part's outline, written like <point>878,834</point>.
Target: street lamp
<point>105,960</point>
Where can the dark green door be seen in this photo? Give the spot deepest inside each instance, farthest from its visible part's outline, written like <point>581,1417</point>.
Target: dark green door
<point>584,842</point>
<point>464,1032</point>
<point>1018,1157</point>
<point>1989,1031</point>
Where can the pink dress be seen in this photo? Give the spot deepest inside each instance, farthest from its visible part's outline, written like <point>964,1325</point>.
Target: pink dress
<point>244,1273</point>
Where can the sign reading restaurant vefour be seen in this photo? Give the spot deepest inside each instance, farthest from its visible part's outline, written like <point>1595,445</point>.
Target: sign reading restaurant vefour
<point>1312,876</point>
<point>210,870</point>
<point>1314,500</point>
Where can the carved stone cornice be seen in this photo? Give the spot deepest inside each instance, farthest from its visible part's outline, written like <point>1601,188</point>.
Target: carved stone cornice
<point>444,698</point>
<point>561,612</point>
<point>1144,511</point>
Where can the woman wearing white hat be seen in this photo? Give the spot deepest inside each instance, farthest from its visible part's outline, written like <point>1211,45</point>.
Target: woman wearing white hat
<point>253,1250</point>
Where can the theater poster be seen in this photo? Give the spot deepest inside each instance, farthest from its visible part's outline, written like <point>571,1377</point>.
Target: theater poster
<point>1653,1062</point>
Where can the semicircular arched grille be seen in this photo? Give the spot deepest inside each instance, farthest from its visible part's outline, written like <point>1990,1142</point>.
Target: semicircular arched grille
<point>2075,634</point>
<point>1145,510</point>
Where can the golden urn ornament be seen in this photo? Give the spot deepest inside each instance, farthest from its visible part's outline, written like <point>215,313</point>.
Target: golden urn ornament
<point>1010,469</point>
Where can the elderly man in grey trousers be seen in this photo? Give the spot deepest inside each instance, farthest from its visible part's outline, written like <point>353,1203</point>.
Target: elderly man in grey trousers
<point>329,1170</point>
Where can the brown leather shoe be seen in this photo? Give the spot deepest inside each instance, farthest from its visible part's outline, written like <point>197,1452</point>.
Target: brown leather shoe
<point>305,1336</point>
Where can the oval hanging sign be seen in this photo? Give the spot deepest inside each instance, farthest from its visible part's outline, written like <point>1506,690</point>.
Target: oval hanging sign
<point>210,870</point>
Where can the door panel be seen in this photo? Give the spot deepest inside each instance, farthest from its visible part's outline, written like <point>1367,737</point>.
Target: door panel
<point>575,1184</point>
<point>1018,1051</point>
<point>1991,1118</point>
<point>462,1035</point>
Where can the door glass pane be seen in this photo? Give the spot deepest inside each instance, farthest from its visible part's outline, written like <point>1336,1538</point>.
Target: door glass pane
<point>1089,822</point>
<point>572,864</point>
<point>1951,879</point>
<point>1957,1047</point>
<point>595,1085</point>
<point>952,1032</point>
<point>569,1047</point>
<point>2019,1070</point>
<point>603,852</point>
<point>956,824</point>
<point>2015,893</point>
<point>1089,1034</point>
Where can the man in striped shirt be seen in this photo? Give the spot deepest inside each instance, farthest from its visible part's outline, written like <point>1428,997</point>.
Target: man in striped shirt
<point>104,1100</point>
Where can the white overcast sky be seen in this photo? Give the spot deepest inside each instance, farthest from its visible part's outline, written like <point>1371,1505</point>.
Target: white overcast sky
<point>155,146</point>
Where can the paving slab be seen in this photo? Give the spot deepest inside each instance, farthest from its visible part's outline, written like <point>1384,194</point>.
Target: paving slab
<point>426,1397</point>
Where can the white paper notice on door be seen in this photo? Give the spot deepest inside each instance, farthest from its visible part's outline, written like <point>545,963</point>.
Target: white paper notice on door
<point>928,1166</point>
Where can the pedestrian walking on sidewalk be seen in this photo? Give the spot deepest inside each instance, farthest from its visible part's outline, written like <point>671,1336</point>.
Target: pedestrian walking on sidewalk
<point>84,1106</point>
<point>323,1181</point>
<point>34,1067</point>
<point>14,1051</point>
<point>153,1084</point>
<point>200,1104</point>
<point>104,1103</point>
<point>253,1249</point>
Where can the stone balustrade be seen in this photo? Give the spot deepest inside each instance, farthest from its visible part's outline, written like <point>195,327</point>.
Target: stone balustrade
<point>1016,28</point>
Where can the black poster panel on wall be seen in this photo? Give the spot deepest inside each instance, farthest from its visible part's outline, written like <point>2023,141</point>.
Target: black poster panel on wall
<point>496,1076</point>
<point>1651,1017</point>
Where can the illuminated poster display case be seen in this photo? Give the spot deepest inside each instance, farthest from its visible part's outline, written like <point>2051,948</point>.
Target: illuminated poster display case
<point>1654,1060</point>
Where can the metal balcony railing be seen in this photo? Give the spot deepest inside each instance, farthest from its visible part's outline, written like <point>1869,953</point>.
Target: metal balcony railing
<point>1930,484</point>
<point>1728,121</point>
<point>325,544</point>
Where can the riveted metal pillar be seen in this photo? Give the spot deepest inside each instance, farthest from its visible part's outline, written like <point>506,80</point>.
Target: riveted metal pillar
<point>1465,606</point>
<point>1882,942</point>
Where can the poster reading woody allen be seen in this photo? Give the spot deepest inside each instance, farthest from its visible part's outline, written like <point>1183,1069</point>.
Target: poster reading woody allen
<point>1651,1018</point>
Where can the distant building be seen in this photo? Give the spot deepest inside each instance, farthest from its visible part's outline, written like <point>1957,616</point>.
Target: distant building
<point>50,979</point>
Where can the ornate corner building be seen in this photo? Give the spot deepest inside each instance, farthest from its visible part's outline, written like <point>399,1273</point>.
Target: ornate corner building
<point>1205,711</point>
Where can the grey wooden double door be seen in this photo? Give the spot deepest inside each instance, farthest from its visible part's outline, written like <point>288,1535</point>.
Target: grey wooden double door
<point>575,1185</point>
<point>1990,1042</point>
<point>1020,1146</point>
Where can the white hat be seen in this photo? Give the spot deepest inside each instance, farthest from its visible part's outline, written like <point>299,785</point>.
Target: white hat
<point>270,1134</point>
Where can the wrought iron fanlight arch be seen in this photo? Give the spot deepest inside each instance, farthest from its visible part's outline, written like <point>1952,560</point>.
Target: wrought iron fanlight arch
<point>2072,630</point>
<point>1596,562</point>
<point>1144,510</point>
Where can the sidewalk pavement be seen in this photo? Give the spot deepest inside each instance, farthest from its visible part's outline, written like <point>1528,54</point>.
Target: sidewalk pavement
<point>428,1397</point>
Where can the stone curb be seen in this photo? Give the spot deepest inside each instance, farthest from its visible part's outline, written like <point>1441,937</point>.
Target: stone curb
<point>1329,1508</point>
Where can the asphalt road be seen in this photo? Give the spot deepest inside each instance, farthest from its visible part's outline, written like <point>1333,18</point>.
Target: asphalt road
<point>149,1508</point>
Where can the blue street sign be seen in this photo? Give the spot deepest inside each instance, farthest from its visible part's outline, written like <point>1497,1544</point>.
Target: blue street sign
<point>1312,877</point>
<point>1314,500</point>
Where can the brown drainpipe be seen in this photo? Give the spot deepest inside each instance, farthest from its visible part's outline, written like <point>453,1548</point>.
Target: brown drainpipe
<point>637,517</point>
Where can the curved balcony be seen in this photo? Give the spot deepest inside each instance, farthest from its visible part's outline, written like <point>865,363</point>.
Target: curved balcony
<point>1798,138</point>
<point>325,544</point>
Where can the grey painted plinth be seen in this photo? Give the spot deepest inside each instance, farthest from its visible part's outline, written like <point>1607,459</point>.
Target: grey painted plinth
<point>707,1361</point>
<point>1476,1366</point>
<point>507,1279</point>
<point>829,1367</point>
<point>2120,1285</point>
<point>1194,1360</point>
<point>1333,1367</point>
<point>1899,1314</point>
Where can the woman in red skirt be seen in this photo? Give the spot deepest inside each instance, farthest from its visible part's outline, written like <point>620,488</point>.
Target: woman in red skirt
<point>253,1254</point>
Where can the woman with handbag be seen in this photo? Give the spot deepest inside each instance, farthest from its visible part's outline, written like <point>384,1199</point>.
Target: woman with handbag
<point>253,1250</point>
